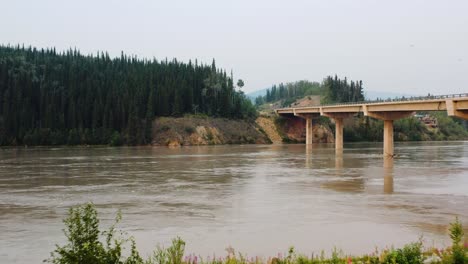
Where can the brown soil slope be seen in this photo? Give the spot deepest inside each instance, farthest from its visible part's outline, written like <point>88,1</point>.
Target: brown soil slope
<point>292,129</point>
<point>268,125</point>
<point>186,131</point>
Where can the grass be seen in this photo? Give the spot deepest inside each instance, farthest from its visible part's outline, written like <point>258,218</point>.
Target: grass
<point>88,244</point>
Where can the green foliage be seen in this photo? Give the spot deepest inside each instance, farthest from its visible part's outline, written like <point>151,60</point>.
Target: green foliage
<point>240,83</point>
<point>459,253</point>
<point>411,127</point>
<point>363,128</point>
<point>68,98</point>
<point>73,137</point>
<point>409,254</point>
<point>84,245</point>
<point>406,129</point>
<point>134,257</point>
<point>340,91</point>
<point>171,255</point>
<point>281,122</point>
<point>290,92</point>
<point>287,102</point>
<point>115,139</point>
<point>189,130</point>
<point>449,127</point>
<point>82,232</point>
<point>164,128</point>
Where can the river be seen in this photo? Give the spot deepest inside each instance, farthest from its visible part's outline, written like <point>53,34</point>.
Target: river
<point>259,199</point>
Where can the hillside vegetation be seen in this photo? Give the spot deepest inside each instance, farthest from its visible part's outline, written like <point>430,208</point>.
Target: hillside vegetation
<point>55,98</point>
<point>288,93</point>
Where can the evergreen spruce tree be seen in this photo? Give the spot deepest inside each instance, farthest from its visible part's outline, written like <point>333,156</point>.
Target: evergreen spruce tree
<point>65,97</point>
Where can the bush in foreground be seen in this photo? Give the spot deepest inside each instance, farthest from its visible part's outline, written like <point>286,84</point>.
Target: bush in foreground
<point>85,245</point>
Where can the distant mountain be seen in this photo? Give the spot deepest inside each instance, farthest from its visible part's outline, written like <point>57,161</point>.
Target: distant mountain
<point>255,94</point>
<point>373,95</point>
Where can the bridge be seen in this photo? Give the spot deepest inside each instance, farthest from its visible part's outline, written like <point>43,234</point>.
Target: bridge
<point>388,111</point>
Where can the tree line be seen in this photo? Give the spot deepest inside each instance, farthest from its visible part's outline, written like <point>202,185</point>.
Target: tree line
<point>54,98</point>
<point>331,90</point>
<point>342,91</point>
<point>289,92</point>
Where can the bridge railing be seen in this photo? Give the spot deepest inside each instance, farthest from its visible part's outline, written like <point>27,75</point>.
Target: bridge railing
<point>399,99</point>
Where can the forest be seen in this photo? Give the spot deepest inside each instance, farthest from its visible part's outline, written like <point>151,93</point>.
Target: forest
<point>331,90</point>
<point>289,92</point>
<point>56,98</point>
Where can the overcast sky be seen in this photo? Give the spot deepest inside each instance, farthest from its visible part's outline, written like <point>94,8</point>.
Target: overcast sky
<point>404,46</point>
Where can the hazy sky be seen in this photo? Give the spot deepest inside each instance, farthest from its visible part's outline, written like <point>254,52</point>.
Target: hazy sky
<point>399,45</point>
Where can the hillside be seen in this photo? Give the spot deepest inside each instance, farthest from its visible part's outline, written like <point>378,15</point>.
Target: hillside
<point>56,98</point>
<point>268,126</point>
<point>196,130</point>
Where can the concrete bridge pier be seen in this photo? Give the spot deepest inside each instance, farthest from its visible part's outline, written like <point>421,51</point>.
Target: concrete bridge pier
<point>338,118</point>
<point>309,125</point>
<point>309,130</point>
<point>338,134</point>
<point>388,118</point>
<point>388,138</point>
<point>388,175</point>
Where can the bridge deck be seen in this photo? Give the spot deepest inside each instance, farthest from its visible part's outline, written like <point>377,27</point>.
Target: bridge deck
<point>455,105</point>
<point>439,103</point>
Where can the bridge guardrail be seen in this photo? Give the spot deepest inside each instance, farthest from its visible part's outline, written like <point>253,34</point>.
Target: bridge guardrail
<point>401,99</point>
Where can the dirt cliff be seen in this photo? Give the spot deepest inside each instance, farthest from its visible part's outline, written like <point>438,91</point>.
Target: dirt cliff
<point>186,131</point>
<point>268,125</point>
<point>292,130</point>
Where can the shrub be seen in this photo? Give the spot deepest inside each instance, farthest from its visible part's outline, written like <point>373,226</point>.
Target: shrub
<point>73,137</point>
<point>458,250</point>
<point>115,139</point>
<point>171,255</point>
<point>409,254</point>
<point>189,130</point>
<point>209,135</point>
<point>84,245</point>
<point>164,128</point>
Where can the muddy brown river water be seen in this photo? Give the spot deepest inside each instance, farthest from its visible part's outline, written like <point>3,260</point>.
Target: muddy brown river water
<point>259,199</point>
